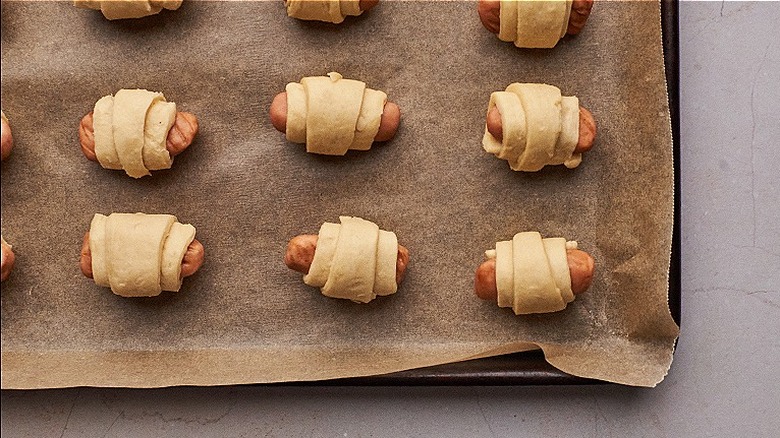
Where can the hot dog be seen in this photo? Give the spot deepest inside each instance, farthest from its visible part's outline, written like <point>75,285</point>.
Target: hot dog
<point>581,268</point>
<point>300,253</point>
<point>489,15</point>
<point>587,128</point>
<point>192,261</point>
<point>7,141</point>
<point>388,126</point>
<point>7,260</point>
<point>180,136</point>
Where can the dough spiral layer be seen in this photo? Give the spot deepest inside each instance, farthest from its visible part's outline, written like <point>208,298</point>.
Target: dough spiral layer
<point>540,127</point>
<point>138,255</point>
<point>532,274</point>
<point>331,11</point>
<point>333,115</point>
<point>354,260</point>
<point>534,24</point>
<point>131,130</point>
<point>121,9</point>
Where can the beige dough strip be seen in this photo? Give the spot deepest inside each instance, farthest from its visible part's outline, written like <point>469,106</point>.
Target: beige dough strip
<point>159,120</point>
<point>130,109</point>
<point>97,246</point>
<point>570,133</point>
<point>505,273</point>
<point>350,7</point>
<point>542,105</point>
<point>353,268</point>
<point>369,120</point>
<point>103,127</point>
<point>333,107</point>
<point>171,5</point>
<point>134,252</point>
<point>555,248</point>
<point>323,255</point>
<point>565,22</point>
<point>507,30</point>
<point>539,23</point>
<point>296,113</point>
<point>174,248</point>
<point>386,257</point>
<point>513,123</point>
<point>121,9</point>
<point>534,287</point>
<point>320,10</point>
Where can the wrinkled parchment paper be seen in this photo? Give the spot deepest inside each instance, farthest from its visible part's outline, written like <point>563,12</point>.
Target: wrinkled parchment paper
<point>245,317</point>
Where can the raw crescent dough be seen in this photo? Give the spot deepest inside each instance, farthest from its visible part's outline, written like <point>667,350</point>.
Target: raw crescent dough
<point>131,130</point>
<point>505,273</point>
<point>323,255</point>
<point>97,245</point>
<point>350,7</point>
<point>532,274</point>
<point>296,113</point>
<point>555,248</point>
<point>534,23</point>
<point>332,110</point>
<point>353,269</point>
<point>513,124</point>
<point>138,255</point>
<point>130,110</point>
<point>535,289</point>
<point>354,260</point>
<point>159,120</point>
<point>565,23</point>
<point>542,107</point>
<point>507,20</point>
<point>539,23</point>
<point>134,244</point>
<point>103,126</point>
<point>369,119</point>
<point>333,115</point>
<point>386,257</point>
<point>540,127</point>
<point>120,9</point>
<point>174,248</point>
<point>331,11</point>
<point>570,133</point>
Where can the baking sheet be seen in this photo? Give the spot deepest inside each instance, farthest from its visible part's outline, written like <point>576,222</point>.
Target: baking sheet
<point>245,318</point>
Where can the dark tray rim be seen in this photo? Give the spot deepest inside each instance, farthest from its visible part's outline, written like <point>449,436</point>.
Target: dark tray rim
<point>530,368</point>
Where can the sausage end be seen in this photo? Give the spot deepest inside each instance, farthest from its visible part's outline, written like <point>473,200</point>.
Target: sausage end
<point>278,112</point>
<point>388,125</point>
<point>587,134</point>
<point>485,281</point>
<point>581,269</point>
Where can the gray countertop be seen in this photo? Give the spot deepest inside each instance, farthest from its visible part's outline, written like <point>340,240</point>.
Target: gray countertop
<point>723,381</point>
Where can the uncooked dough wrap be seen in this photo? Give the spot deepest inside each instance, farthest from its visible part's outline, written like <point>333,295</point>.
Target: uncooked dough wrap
<point>331,11</point>
<point>131,131</point>
<point>333,115</point>
<point>532,274</point>
<point>540,127</point>
<point>354,260</point>
<point>121,9</point>
<point>138,255</point>
<point>534,24</point>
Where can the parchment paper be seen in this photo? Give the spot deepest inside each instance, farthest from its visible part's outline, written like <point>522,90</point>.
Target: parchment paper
<point>245,317</point>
